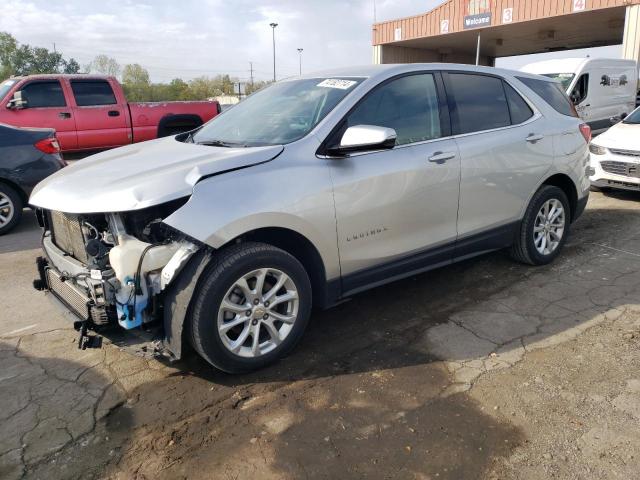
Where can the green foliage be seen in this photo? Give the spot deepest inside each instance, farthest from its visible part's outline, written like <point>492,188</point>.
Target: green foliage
<point>71,66</point>
<point>22,59</point>
<point>17,59</point>
<point>138,88</point>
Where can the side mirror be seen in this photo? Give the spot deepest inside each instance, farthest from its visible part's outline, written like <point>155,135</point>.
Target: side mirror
<point>614,120</point>
<point>17,102</point>
<point>362,138</point>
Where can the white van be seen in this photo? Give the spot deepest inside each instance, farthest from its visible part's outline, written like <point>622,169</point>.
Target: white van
<point>602,89</point>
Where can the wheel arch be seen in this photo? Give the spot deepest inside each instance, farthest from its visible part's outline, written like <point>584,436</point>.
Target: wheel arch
<point>19,190</point>
<point>302,249</point>
<point>187,120</point>
<point>179,297</point>
<point>566,184</point>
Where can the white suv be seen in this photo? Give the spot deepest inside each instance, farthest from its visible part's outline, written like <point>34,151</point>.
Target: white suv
<point>306,193</point>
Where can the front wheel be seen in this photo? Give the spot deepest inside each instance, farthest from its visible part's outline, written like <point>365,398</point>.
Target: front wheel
<point>251,308</point>
<point>544,228</point>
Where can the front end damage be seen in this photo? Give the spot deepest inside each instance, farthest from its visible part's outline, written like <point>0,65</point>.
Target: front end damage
<point>112,268</point>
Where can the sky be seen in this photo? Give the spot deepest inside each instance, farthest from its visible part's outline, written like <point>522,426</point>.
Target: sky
<point>190,38</point>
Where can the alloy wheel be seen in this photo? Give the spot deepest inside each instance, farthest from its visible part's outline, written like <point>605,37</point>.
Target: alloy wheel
<point>549,226</point>
<point>258,312</point>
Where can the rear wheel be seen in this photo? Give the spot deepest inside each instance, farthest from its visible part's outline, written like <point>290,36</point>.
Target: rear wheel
<point>252,307</point>
<point>544,228</point>
<point>11,206</point>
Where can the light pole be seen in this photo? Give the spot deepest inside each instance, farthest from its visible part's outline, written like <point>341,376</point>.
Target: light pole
<point>273,33</point>
<point>300,55</point>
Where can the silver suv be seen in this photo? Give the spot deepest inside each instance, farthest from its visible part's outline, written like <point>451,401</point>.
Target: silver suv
<point>308,192</point>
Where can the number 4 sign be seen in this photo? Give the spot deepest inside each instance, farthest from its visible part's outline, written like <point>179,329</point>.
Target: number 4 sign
<point>579,5</point>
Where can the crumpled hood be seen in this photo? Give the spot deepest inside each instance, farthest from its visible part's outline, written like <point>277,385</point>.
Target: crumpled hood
<point>623,136</point>
<point>140,175</point>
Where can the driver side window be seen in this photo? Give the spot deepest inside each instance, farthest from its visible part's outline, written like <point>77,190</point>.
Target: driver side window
<point>408,104</point>
<point>581,89</point>
<point>43,94</point>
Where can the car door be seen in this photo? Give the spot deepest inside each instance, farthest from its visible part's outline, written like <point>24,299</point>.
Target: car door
<point>102,122</point>
<point>506,147</point>
<point>396,209</point>
<point>46,107</point>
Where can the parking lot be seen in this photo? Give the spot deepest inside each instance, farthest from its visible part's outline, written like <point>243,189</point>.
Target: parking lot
<point>487,369</point>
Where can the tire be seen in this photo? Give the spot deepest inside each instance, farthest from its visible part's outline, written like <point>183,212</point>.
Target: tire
<point>11,206</point>
<point>525,249</point>
<point>233,350</point>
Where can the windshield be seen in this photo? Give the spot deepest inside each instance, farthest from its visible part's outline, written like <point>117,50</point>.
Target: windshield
<point>5,87</point>
<point>281,113</point>
<point>633,117</point>
<point>563,78</point>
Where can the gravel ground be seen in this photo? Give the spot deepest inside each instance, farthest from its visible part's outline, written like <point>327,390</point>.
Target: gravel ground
<point>487,369</point>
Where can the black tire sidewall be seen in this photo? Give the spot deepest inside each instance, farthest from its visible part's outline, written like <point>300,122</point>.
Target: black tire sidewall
<point>18,205</point>
<point>544,195</point>
<point>216,282</point>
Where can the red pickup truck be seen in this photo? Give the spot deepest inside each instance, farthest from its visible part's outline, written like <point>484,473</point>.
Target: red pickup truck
<point>90,112</point>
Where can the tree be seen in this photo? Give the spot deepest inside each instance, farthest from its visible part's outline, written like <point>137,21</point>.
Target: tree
<point>71,66</point>
<point>104,65</point>
<point>8,47</point>
<point>43,61</point>
<point>17,59</point>
<point>135,81</point>
<point>135,75</point>
<point>255,86</point>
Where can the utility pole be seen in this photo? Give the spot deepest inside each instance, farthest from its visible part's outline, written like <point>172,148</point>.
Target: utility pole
<point>300,55</point>
<point>273,33</point>
<point>251,74</point>
<point>478,50</point>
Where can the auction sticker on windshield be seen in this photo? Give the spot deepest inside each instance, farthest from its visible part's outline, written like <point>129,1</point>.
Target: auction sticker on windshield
<point>337,83</point>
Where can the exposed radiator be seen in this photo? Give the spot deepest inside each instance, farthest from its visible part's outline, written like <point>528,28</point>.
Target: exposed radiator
<point>67,235</point>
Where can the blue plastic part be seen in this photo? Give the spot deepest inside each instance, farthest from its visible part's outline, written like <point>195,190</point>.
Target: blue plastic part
<point>124,319</point>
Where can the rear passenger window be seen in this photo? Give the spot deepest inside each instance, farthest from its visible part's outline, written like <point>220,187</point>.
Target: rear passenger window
<point>43,94</point>
<point>552,93</point>
<point>520,111</point>
<point>92,92</point>
<point>408,104</point>
<point>479,102</point>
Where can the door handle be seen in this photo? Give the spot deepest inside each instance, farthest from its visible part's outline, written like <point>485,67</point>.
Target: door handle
<point>533,138</point>
<point>114,113</point>
<point>441,157</point>
<point>64,115</point>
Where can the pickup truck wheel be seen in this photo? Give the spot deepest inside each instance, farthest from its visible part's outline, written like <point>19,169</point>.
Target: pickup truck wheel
<point>544,228</point>
<point>251,308</point>
<point>10,208</point>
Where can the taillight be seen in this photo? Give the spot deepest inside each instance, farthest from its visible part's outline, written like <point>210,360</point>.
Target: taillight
<point>48,145</point>
<point>585,130</point>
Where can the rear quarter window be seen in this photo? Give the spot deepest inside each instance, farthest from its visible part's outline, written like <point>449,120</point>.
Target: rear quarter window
<point>552,93</point>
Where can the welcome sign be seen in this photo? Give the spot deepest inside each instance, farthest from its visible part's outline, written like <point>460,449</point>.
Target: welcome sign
<point>477,20</point>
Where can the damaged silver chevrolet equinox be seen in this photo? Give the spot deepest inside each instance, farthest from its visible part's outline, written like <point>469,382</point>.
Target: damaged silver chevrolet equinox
<point>306,193</point>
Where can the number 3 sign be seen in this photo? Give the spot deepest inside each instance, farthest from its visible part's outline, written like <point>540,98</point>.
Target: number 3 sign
<point>507,15</point>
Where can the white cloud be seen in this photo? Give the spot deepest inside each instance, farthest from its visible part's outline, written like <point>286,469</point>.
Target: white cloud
<point>189,38</point>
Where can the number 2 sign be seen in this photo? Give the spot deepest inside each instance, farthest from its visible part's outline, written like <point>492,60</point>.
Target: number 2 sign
<point>579,5</point>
